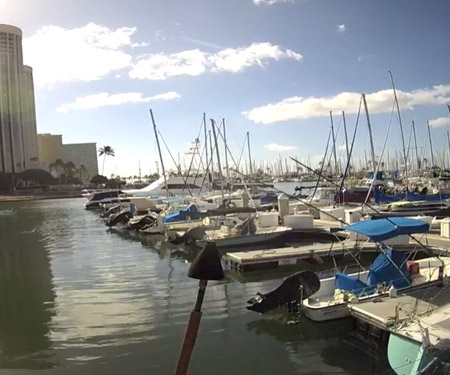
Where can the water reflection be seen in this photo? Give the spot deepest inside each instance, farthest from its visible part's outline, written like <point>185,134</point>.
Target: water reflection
<point>26,294</point>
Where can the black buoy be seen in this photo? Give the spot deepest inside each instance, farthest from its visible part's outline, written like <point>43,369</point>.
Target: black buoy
<point>206,266</point>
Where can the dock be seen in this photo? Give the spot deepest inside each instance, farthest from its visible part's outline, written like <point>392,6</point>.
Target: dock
<point>273,258</point>
<point>387,312</point>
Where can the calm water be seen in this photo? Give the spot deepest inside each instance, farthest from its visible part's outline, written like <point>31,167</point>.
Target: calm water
<point>77,299</point>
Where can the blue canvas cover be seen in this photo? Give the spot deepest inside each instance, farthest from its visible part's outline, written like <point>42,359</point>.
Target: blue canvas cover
<point>352,284</point>
<point>383,229</point>
<point>182,215</point>
<point>383,271</point>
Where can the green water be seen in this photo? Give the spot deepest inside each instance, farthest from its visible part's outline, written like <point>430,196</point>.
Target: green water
<point>78,299</point>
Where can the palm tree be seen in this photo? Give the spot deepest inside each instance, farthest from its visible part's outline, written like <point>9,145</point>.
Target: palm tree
<point>105,151</point>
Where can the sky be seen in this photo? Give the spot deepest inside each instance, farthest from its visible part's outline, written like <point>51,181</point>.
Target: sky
<point>273,68</point>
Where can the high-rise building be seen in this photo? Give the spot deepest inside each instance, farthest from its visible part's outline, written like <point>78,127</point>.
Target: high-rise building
<point>18,137</point>
<point>82,155</point>
<point>50,148</point>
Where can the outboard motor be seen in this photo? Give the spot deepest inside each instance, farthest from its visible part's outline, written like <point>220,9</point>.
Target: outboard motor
<point>121,217</point>
<point>291,292</point>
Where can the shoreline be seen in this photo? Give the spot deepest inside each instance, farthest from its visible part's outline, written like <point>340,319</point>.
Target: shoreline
<point>24,198</point>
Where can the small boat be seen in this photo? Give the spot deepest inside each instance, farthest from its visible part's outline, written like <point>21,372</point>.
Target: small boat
<point>422,344</point>
<point>7,212</point>
<point>391,269</point>
<point>98,199</point>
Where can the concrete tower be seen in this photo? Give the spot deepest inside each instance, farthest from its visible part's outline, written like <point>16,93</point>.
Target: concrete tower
<point>18,138</point>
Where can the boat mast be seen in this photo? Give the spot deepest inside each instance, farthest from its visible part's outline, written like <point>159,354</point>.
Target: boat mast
<point>226,151</point>
<point>345,132</point>
<point>401,127</point>
<point>372,149</point>
<point>160,154</point>
<point>415,145</point>
<point>249,154</point>
<point>212,159</point>
<point>206,149</point>
<point>448,143</point>
<point>431,145</point>
<point>213,126</point>
<point>336,169</point>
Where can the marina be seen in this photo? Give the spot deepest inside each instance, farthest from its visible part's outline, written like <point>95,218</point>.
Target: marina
<point>224,187</point>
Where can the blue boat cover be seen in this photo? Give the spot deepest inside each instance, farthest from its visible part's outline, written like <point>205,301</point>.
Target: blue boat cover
<point>383,229</point>
<point>352,284</point>
<point>183,214</point>
<point>380,197</point>
<point>383,270</point>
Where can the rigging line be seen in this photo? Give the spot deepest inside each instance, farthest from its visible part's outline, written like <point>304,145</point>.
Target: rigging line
<point>322,166</point>
<point>193,155</point>
<point>294,197</point>
<point>365,204</point>
<point>178,168</point>
<point>347,166</point>
<point>242,152</point>
<point>381,156</point>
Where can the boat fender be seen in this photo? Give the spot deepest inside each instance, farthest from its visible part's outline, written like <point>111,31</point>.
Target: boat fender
<point>392,292</point>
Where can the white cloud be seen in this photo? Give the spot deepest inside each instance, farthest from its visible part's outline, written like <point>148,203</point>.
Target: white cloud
<point>104,99</point>
<point>298,108</point>
<point>277,147</point>
<point>195,62</point>
<point>87,53</point>
<point>441,121</point>
<point>341,28</point>
<point>271,2</point>
<point>142,44</point>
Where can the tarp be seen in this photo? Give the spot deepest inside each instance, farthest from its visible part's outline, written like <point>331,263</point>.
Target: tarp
<point>352,284</point>
<point>383,229</point>
<point>383,270</point>
<point>183,215</point>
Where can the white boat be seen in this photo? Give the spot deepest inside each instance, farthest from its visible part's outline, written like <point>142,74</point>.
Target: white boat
<point>421,345</point>
<point>389,270</point>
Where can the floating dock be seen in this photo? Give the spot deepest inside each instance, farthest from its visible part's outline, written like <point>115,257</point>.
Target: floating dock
<point>273,258</point>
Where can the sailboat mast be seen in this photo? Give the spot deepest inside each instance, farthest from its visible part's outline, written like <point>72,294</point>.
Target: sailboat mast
<point>249,154</point>
<point>345,132</point>
<point>448,143</point>
<point>336,169</point>
<point>226,151</point>
<point>415,145</point>
<point>212,159</point>
<point>372,149</point>
<point>431,145</point>
<point>160,154</point>
<point>206,147</point>
<point>213,126</point>
<point>400,121</point>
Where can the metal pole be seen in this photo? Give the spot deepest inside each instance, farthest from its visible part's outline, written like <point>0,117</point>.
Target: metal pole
<point>431,145</point>
<point>345,131</point>
<point>249,154</point>
<point>336,169</point>
<point>206,147</point>
<point>226,151</point>
<point>212,159</point>
<point>415,145</point>
<point>448,143</point>
<point>213,126</point>
<point>372,149</point>
<point>160,154</point>
<point>401,127</point>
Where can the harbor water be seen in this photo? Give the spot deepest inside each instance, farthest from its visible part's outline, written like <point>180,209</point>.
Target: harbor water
<point>76,298</point>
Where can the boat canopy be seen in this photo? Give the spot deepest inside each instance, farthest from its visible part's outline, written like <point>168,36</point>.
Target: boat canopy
<point>383,229</point>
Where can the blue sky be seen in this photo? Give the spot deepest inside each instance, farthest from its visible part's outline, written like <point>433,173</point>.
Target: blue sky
<point>273,68</point>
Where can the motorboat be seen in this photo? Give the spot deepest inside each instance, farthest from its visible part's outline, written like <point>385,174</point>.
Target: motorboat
<point>98,199</point>
<point>399,270</point>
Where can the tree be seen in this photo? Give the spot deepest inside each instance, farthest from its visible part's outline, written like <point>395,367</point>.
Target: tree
<point>38,176</point>
<point>105,151</point>
<point>99,180</point>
